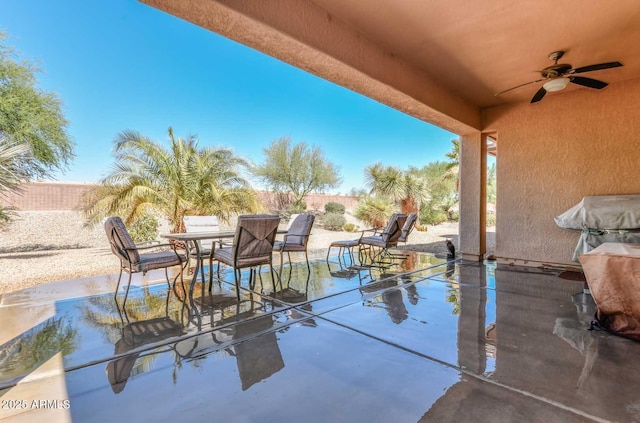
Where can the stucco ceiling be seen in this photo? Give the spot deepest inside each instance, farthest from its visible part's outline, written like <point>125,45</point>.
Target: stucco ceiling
<point>477,48</point>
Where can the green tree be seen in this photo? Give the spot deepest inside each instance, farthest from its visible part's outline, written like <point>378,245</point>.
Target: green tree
<point>442,193</point>
<point>296,168</point>
<point>454,154</point>
<point>183,179</point>
<point>11,174</point>
<point>442,189</point>
<point>32,117</point>
<point>358,192</point>
<point>453,166</point>
<point>491,184</point>
<point>402,187</point>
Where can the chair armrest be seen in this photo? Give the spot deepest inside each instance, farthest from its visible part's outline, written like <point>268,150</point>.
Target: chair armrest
<point>288,234</point>
<point>374,230</point>
<point>148,247</point>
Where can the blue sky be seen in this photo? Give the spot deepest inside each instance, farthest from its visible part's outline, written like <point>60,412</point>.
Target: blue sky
<point>120,64</point>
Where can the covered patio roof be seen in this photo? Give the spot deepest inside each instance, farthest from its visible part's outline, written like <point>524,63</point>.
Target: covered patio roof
<point>451,56</point>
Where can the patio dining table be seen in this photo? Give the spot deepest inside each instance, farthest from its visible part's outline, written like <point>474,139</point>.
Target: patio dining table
<point>194,237</point>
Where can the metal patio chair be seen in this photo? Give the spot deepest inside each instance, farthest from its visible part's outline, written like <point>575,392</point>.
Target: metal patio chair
<point>132,260</point>
<point>252,247</point>
<point>295,240</point>
<point>382,241</point>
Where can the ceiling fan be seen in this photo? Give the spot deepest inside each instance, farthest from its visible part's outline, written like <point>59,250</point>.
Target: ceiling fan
<point>559,75</point>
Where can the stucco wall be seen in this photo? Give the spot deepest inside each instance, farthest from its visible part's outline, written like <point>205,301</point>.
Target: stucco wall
<point>553,153</point>
<point>473,190</point>
<point>68,196</point>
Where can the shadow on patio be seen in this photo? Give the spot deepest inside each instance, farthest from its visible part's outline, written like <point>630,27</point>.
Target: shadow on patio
<point>423,340</point>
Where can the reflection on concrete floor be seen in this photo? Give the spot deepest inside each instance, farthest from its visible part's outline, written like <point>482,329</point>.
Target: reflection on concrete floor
<point>420,340</point>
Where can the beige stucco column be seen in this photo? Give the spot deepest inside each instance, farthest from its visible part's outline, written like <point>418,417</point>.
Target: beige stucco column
<point>473,195</point>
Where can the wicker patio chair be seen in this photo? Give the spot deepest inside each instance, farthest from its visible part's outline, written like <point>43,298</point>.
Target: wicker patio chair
<point>252,247</point>
<point>295,239</point>
<point>131,258</point>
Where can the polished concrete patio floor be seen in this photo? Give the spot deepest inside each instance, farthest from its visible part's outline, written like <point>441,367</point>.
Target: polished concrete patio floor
<point>424,340</point>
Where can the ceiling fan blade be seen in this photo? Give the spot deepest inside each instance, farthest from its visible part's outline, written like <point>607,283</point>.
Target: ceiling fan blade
<point>588,82</point>
<point>541,92</point>
<point>518,86</point>
<point>599,66</point>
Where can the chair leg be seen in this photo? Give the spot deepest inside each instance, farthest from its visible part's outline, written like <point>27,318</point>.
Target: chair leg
<point>201,269</point>
<point>236,277</point>
<point>115,295</point>
<point>280,270</point>
<point>273,280</point>
<point>350,255</point>
<point>175,281</point>
<point>361,254</point>
<point>306,257</point>
<point>252,278</point>
<point>290,271</point>
<point>166,275</point>
<point>210,273</point>
<point>126,294</point>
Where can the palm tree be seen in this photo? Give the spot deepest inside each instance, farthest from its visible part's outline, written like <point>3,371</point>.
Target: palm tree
<point>375,211</point>
<point>183,179</point>
<point>402,187</point>
<point>453,166</point>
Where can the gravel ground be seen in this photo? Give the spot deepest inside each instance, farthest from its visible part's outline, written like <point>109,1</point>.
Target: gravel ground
<point>46,246</point>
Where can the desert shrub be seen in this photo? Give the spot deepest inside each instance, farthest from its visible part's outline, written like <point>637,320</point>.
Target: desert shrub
<point>298,207</point>
<point>6,214</point>
<point>350,227</point>
<point>421,228</point>
<point>144,229</point>
<point>333,221</point>
<point>454,216</point>
<point>374,211</point>
<point>432,216</point>
<point>333,207</point>
<point>491,219</point>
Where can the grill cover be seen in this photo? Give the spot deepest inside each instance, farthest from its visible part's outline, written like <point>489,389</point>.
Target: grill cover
<point>604,218</point>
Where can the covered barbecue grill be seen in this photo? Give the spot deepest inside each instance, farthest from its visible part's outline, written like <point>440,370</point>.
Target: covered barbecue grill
<point>600,219</point>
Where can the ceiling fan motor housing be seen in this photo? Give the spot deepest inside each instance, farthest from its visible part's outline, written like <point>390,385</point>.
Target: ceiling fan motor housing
<point>555,70</point>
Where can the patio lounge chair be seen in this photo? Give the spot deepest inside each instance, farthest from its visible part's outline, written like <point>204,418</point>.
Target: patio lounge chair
<point>388,238</point>
<point>409,224</point>
<point>203,224</point>
<point>295,239</point>
<point>343,245</point>
<point>252,247</point>
<point>131,258</point>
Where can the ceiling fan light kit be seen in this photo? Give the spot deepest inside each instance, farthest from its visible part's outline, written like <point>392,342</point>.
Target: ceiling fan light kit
<point>558,76</point>
<point>556,84</point>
